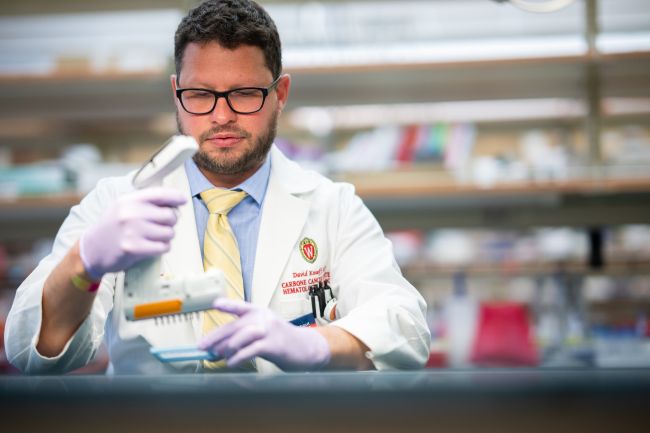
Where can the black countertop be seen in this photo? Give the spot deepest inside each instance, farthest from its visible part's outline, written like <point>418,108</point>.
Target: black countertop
<point>528,400</point>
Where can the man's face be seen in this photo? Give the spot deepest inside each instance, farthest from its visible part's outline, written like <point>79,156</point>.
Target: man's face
<point>230,144</point>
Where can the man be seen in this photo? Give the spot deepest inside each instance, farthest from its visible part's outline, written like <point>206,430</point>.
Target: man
<point>289,229</point>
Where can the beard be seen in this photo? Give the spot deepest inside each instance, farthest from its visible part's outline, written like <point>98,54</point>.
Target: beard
<point>252,157</point>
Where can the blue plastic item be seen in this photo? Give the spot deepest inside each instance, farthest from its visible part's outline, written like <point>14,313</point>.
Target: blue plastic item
<point>187,353</point>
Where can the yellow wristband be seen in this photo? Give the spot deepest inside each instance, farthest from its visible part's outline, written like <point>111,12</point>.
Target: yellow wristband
<point>83,284</point>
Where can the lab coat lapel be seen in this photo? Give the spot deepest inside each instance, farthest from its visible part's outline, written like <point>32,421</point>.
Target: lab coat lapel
<point>184,256</point>
<point>283,218</point>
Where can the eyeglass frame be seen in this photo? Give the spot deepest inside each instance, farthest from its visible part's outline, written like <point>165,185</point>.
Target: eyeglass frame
<point>265,92</point>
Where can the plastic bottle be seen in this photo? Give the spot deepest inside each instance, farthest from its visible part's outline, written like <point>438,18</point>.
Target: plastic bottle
<point>460,318</point>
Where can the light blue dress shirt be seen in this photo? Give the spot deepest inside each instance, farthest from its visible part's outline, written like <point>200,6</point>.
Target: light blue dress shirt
<point>243,218</point>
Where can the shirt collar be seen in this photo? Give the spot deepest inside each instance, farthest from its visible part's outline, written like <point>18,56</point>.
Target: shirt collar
<point>254,186</point>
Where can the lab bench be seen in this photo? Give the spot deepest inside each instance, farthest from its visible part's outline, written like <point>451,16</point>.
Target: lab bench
<point>499,400</point>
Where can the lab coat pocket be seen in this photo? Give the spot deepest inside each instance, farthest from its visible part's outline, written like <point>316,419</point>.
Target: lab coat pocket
<point>295,306</point>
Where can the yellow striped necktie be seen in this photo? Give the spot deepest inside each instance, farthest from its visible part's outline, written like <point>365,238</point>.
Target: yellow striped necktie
<point>220,251</point>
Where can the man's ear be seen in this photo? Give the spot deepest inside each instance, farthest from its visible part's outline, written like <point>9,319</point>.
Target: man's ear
<point>172,80</point>
<point>282,88</point>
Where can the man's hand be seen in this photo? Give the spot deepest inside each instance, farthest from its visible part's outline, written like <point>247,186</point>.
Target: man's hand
<point>259,332</point>
<point>137,226</point>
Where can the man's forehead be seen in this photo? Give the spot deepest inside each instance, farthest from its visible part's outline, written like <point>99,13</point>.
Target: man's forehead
<point>212,57</point>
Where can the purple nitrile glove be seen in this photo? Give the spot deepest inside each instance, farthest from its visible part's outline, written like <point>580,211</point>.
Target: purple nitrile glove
<point>137,226</point>
<point>259,332</point>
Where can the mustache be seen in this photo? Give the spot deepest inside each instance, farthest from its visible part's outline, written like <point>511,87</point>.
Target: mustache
<point>219,129</point>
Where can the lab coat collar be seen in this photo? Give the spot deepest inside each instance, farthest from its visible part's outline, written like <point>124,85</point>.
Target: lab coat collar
<point>293,178</point>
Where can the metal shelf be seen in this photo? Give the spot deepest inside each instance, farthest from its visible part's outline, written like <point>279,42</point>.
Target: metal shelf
<point>580,203</point>
<point>74,6</point>
<point>34,217</point>
<point>424,205</point>
<point>421,269</point>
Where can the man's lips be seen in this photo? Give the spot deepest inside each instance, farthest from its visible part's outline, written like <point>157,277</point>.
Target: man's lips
<point>225,140</point>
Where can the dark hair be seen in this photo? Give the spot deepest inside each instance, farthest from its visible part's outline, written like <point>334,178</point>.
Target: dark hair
<point>231,23</point>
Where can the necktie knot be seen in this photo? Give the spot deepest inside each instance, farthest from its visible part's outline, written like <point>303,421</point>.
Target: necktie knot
<point>221,201</point>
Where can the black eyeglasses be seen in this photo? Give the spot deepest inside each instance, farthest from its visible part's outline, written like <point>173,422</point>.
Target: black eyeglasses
<point>245,100</point>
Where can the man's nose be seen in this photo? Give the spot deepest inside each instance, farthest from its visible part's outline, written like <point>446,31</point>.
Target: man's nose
<point>222,113</point>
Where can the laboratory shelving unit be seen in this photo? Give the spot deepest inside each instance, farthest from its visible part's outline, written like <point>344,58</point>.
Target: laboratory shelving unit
<point>581,91</point>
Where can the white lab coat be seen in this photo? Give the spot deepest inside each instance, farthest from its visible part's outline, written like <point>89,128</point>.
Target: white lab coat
<point>375,303</point>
